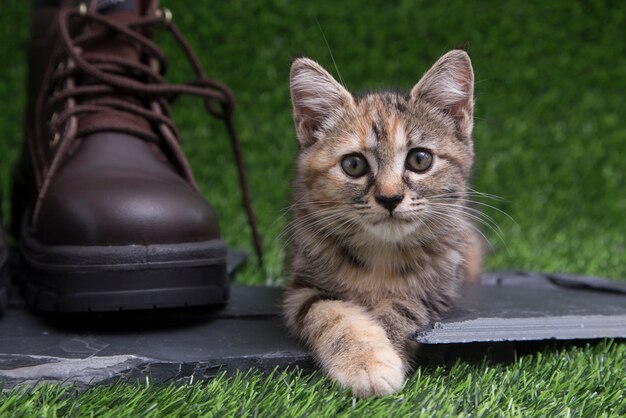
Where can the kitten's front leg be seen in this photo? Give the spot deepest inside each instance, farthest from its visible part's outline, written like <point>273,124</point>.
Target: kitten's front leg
<point>347,341</point>
<point>401,318</point>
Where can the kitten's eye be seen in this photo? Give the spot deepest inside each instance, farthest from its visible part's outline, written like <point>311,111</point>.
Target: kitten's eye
<point>419,160</point>
<point>355,165</point>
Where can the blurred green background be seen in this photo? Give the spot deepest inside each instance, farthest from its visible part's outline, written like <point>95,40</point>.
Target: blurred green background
<point>550,139</point>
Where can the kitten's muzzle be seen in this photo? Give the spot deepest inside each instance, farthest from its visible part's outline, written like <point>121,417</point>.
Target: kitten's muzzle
<point>390,202</point>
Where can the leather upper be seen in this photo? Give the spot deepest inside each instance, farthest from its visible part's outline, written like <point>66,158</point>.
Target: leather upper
<point>111,187</point>
<point>117,189</point>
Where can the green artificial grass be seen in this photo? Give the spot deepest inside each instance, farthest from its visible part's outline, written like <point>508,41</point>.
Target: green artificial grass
<point>575,382</point>
<point>550,140</point>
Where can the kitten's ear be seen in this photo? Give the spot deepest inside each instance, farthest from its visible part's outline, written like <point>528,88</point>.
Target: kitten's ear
<point>449,86</point>
<point>317,98</point>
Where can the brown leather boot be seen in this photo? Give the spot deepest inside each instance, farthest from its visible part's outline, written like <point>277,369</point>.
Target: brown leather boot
<point>107,211</point>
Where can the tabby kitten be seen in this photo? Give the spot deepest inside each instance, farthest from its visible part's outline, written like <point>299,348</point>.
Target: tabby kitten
<point>381,239</point>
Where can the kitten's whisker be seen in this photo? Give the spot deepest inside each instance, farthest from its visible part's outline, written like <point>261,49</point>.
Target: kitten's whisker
<point>317,216</point>
<point>464,210</point>
<point>327,220</point>
<point>489,195</point>
<point>310,218</point>
<point>500,237</point>
<point>496,229</point>
<point>496,209</point>
<point>442,216</point>
<point>323,213</point>
<point>315,204</point>
<point>487,217</point>
<point>293,204</point>
<point>473,193</point>
<point>471,210</point>
<point>284,211</point>
<point>450,223</point>
<point>449,210</point>
<point>329,229</point>
<point>477,202</point>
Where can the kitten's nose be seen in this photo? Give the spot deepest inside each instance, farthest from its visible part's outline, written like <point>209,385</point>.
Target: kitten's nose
<point>390,202</point>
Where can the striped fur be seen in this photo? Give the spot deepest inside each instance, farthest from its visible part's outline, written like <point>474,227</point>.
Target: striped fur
<point>362,279</point>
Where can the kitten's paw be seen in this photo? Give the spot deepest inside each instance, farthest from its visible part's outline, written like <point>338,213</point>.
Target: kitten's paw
<point>378,372</point>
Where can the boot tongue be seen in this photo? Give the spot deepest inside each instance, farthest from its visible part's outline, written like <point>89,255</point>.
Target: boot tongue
<point>122,12</point>
<point>115,6</point>
<point>117,45</point>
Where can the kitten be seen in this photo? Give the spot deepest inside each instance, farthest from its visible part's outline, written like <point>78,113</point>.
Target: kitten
<point>381,239</point>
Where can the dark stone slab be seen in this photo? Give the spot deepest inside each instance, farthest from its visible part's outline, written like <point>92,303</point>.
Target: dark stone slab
<point>519,306</point>
<point>552,281</point>
<point>93,351</point>
<point>507,311</point>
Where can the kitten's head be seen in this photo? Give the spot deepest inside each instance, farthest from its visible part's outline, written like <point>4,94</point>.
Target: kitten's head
<point>388,164</point>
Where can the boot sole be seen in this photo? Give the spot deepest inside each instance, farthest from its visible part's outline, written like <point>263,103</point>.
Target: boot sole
<point>118,278</point>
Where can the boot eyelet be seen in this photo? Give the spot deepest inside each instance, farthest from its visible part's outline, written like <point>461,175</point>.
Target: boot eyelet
<point>55,140</point>
<point>164,14</point>
<point>54,117</point>
<point>82,9</point>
